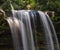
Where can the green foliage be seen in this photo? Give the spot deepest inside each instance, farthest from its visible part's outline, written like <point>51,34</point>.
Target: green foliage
<point>3,23</point>
<point>44,5</point>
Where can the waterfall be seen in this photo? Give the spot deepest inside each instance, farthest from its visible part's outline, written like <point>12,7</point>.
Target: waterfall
<point>25,25</point>
<point>54,32</point>
<point>47,31</point>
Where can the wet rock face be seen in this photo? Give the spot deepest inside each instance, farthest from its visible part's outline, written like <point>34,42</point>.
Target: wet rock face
<point>6,40</point>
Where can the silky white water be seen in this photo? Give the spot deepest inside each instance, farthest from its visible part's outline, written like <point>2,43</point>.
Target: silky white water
<point>25,24</point>
<point>54,32</point>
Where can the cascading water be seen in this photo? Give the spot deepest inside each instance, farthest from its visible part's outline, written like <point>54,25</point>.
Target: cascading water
<point>53,31</point>
<point>26,26</point>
